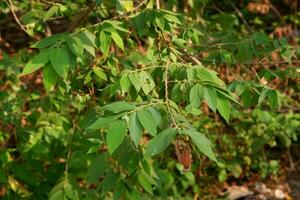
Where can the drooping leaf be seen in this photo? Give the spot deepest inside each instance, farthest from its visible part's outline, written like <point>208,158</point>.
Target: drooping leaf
<point>115,135</point>
<point>109,181</point>
<point>145,183</point>
<point>76,45</point>
<point>50,77</point>
<point>60,61</point>
<point>196,95</point>
<point>223,107</point>
<point>125,83</point>
<point>117,39</point>
<point>147,121</point>
<point>98,167</point>
<point>135,129</point>
<point>134,79</point>
<point>160,142</point>
<point>105,40</point>
<point>211,97</point>
<point>202,143</point>
<point>147,82</point>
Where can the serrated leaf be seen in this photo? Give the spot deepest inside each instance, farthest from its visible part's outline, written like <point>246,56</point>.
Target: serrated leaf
<point>211,97</point>
<point>147,121</point>
<point>223,107</point>
<point>105,40</point>
<point>160,142</point>
<point>119,106</point>
<point>202,143</point>
<point>36,63</point>
<point>50,77</point>
<point>60,61</point>
<point>115,135</point>
<point>117,39</point>
<point>135,129</point>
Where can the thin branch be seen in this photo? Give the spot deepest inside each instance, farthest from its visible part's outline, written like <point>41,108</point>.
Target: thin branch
<point>157,4</point>
<point>80,17</point>
<point>12,8</point>
<point>240,14</point>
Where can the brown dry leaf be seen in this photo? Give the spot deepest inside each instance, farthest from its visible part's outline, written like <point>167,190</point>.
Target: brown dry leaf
<point>183,153</point>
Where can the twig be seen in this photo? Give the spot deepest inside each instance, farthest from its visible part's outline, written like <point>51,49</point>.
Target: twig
<point>157,4</point>
<point>80,17</point>
<point>69,152</point>
<point>11,7</point>
<point>275,10</point>
<point>240,14</point>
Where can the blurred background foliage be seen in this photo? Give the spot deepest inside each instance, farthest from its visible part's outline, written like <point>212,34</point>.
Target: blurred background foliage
<point>253,45</point>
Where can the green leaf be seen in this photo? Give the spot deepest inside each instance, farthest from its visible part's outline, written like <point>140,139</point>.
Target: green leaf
<point>119,190</point>
<point>147,82</point>
<point>202,143</point>
<point>60,61</point>
<point>99,72</point>
<point>160,21</point>
<point>135,129</point>
<point>125,83</point>
<point>36,63</point>
<point>88,39</point>
<point>273,99</point>
<point>145,183</point>
<point>116,133</point>
<point>105,40</point>
<point>48,41</point>
<point>134,79</point>
<point>76,45</point>
<point>71,192</point>
<point>172,18</point>
<point>102,122</point>
<point>119,106</point>
<point>98,167</point>
<point>156,115</point>
<point>223,107</point>
<point>109,181</point>
<point>211,97</point>
<point>117,39</point>
<point>147,121</point>
<point>196,95</point>
<point>160,142</point>
<point>50,77</point>
<point>52,11</point>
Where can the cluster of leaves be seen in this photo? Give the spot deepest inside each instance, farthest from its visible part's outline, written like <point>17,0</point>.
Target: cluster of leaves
<point>116,92</point>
